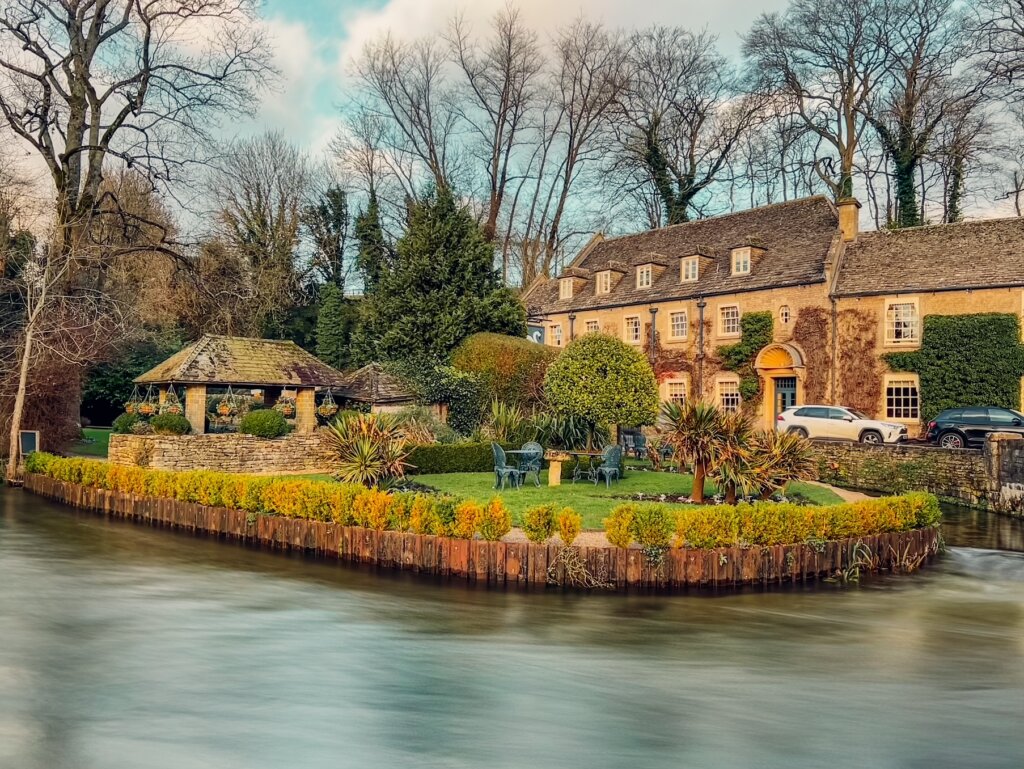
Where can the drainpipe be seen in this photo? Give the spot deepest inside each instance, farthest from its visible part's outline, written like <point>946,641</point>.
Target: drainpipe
<point>654,314</point>
<point>701,304</point>
<point>572,326</point>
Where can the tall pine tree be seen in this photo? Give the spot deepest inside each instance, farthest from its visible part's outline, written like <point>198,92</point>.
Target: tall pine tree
<point>375,254</point>
<point>441,287</point>
<point>334,327</point>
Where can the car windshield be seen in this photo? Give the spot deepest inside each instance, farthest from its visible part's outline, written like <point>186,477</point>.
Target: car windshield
<point>858,414</point>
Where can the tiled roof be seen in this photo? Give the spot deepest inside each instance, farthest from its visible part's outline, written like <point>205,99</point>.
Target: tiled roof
<point>229,360</point>
<point>797,237</point>
<point>940,257</point>
<point>372,384</point>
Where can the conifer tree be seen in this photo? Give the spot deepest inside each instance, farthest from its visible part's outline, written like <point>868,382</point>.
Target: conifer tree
<point>374,250</point>
<point>334,327</point>
<point>441,287</point>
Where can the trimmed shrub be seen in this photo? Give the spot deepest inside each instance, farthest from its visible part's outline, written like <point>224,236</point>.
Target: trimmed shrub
<point>618,526</point>
<point>170,424</point>
<point>400,510</point>
<point>570,523</point>
<point>424,517</point>
<point>264,423</point>
<point>652,526</point>
<point>372,509</point>
<point>123,424</point>
<point>468,516</point>
<point>453,458</point>
<point>510,369</point>
<point>539,523</point>
<point>496,521</point>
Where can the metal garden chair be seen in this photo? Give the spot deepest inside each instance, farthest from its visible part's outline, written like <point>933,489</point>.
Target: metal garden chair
<point>610,467</point>
<point>533,459</point>
<point>503,471</point>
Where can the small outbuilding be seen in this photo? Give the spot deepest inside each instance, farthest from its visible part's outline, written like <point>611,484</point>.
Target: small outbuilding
<point>373,387</point>
<point>276,368</point>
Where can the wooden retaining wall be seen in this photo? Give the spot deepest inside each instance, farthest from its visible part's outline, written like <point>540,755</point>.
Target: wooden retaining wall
<point>500,563</point>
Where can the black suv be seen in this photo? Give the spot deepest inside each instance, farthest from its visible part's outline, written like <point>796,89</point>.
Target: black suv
<point>957,428</point>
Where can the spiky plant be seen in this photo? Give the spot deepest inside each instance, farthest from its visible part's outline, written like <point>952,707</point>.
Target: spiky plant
<point>734,464</point>
<point>693,429</point>
<point>507,422</point>
<point>786,457</point>
<point>370,449</point>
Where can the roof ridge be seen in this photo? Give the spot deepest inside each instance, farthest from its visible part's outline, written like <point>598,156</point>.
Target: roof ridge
<point>887,232</point>
<point>719,217</point>
<point>200,345</point>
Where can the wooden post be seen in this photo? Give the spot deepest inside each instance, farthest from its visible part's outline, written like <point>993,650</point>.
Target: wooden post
<point>195,407</point>
<point>305,410</point>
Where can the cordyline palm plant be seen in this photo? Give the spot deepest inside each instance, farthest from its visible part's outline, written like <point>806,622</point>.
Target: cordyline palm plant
<point>735,465</point>
<point>370,449</point>
<point>507,423</point>
<point>784,457</point>
<point>694,430</point>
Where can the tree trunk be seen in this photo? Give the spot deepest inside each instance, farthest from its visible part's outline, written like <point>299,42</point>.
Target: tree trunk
<point>730,493</point>
<point>698,482</point>
<point>909,214</point>
<point>14,454</point>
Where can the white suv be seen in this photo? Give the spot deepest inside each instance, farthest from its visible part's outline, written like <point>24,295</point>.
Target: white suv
<point>838,422</point>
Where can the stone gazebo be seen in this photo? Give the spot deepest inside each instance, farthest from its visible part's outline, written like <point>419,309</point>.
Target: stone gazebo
<point>270,365</point>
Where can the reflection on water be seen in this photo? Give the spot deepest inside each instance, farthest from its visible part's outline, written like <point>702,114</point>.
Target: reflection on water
<point>123,646</point>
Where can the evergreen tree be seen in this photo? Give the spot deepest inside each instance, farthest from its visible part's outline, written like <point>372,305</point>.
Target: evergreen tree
<point>327,223</point>
<point>374,250</point>
<point>441,288</point>
<point>334,327</point>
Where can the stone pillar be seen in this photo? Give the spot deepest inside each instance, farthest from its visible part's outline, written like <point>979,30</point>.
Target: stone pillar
<point>305,410</point>
<point>195,407</point>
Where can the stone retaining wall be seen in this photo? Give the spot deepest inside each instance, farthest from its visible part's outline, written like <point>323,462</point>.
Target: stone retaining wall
<point>515,564</point>
<point>226,452</point>
<point>987,478</point>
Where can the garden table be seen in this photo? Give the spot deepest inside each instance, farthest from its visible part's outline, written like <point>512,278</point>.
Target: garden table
<point>578,471</point>
<point>519,453</point>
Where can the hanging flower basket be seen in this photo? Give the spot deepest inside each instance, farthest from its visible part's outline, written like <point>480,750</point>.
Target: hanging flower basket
<point>257,398</point>
<point>286,406</point>
<point>147,409</point>
<point>224,408</point>
<point>171,404</point>
<point>130,407</point>
<point>132,404</point>
<point>173,408</point>
<point>327,408</point>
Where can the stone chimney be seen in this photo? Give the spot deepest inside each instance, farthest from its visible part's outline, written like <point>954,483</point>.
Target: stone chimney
<point>849,218</point>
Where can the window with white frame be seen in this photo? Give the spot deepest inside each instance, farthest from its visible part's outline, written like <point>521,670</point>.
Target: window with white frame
<point>633,329</point>
<point>675,390</point>
<point>729,320</point>
<point>592,326</point>
<point>556,335</point>
<point>678,325</point>
<point>729,395</point>
<point>740,261</point>
<point>565,288</point>
<point>689,269</point>
<point>604,282</point>
<point>902,323</point>
<point>785,315</point>
<point>902,398</point>
<point>643,276</point>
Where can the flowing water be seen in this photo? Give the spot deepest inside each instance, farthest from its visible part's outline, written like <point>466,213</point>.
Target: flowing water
<point>124,646</point>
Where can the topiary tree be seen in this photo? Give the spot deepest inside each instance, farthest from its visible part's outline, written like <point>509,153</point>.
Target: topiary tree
<point>599,379</point>
<point>510,369</point>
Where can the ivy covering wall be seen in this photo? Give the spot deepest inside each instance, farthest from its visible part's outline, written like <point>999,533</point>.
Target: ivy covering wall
<point>966,360</point>
<point>756,328</point>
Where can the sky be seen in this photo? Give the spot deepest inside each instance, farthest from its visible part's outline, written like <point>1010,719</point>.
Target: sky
<point>315,42</point>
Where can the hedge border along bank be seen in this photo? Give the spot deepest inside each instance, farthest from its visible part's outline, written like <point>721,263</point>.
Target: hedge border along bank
<point>350,504</point>
<point>966,360</point>
<point>437,458</point>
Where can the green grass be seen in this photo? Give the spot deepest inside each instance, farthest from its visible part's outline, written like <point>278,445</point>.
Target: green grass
<point>95,445</point>
<point>590,501</point>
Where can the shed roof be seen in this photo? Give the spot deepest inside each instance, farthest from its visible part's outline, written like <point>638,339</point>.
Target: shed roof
<point>232,360</point>
<point>941,257</point>
<point>372,384</point>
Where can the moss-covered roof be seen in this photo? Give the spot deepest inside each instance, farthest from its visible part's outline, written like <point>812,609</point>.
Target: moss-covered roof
<point>372,384</point>
<point>232,360</point>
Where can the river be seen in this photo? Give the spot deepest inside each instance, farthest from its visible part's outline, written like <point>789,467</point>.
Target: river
<point>125,646</point>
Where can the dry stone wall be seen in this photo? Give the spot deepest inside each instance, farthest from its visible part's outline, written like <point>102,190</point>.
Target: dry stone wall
<point>226,452</point>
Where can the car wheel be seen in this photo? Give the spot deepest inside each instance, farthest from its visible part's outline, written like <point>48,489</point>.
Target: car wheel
<point>798,432</point>
<point>871,437</point>
<point>951,441</point>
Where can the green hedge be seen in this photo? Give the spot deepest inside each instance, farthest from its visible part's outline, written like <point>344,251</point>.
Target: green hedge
<point>966,360</point>
<point>453,458</point>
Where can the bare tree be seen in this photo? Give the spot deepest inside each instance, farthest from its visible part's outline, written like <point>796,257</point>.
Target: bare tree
<point>681,115</point>
<point>500,81</point>
<point>824,58</point>
<point>999,29</point>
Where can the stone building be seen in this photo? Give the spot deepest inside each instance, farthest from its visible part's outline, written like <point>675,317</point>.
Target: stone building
<point>838,300</point>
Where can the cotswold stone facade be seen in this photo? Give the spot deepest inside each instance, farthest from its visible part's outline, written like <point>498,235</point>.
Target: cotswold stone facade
<point>839,301</point>
<point>227,452</point>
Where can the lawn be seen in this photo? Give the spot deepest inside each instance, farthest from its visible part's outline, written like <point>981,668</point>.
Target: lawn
<point>590,501</point>
<point>95,444</point>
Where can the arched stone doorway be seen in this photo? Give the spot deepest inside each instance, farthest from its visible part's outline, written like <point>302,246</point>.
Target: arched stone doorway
<point>782,369</point>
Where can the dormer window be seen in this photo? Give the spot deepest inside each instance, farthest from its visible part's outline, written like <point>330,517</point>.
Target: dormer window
<point>565,288</point>
<point>643,276</point>
<point>604,282</point>
<point>689,269</point>
<point>741,261</point>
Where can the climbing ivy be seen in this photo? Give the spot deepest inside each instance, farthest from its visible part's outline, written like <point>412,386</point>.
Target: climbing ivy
<point>966,360</point>
<point>756,328</point>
